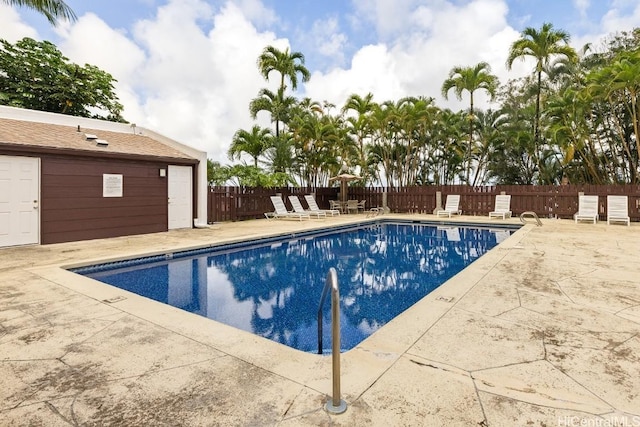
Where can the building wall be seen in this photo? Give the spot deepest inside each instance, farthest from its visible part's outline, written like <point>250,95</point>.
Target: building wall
<point>73,207</point>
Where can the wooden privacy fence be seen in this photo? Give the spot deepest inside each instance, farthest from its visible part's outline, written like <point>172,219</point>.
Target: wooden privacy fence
<point>241,203</point>
<point>548,201</point>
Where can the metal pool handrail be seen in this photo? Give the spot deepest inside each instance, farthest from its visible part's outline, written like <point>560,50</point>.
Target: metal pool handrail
<point>336,405</point>
<point>524,215</point>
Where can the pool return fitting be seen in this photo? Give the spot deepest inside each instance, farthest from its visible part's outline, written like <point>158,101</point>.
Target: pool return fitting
<point>336,405</point>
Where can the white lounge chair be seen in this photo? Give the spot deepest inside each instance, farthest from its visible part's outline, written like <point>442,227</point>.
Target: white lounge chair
<point>587,209</point>
<point>502,207</point>
<point>451,207</point>
<point>297,207</point>
<point>313,206</point>
<point>281,211</point>
<point>618,209</point>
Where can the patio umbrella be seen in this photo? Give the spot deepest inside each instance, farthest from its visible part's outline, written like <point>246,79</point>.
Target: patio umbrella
<point>344,178</point>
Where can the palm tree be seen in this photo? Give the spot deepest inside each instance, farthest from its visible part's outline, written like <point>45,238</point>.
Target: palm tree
<point>489,135</point>
<point>279,157</point>
<point>53,10</point>
<point>254,143</point>
<point>276,104</point>
<point>316,141</point>
<point>470,79</point>
<point>358,125</point>
<point>618,84</point>
<point>448,155</point>
<point>542,45</point>
<point>289,65</point>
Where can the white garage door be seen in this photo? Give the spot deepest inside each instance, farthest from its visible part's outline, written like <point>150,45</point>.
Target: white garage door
<point>180,197</point>
<point>19,200</point>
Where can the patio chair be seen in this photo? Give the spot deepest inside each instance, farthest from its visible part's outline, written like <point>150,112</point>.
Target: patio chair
<point>452,206</point>
<point>361,205</point>
<point>352,206</point>
<point>587,209</point>
<point>502,207</point>
<point>313,206</point>
<point>618,209</point>
<point>336,205</point>
<point>281,211</point>
<point>297,207</point>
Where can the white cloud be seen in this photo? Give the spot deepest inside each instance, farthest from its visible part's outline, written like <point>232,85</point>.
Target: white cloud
<point>373,69</point>
<point>389,17</point>
<point>13,28</point>
<point>582,6</point>
<point>416,62</point>
<point>256,12</point>
<point>118,55</point>
<point>624,15</point>
<point>199,85</point>
<point>329,40</point>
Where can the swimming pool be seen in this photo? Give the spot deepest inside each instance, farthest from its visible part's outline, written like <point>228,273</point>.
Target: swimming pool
<point>271,287</point>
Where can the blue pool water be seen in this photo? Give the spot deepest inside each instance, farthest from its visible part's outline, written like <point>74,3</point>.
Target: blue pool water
<point>272,287</point>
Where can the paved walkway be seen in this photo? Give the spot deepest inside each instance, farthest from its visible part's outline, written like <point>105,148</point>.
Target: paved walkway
<point>541,331</point>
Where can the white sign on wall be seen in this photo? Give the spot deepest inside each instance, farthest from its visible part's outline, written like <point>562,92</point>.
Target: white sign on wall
<point>111,185</point>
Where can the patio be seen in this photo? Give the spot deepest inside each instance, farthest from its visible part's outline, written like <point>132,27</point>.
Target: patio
<point>542,330</point>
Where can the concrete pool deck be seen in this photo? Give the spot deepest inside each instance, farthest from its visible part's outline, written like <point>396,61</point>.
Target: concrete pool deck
<point>543,330</point>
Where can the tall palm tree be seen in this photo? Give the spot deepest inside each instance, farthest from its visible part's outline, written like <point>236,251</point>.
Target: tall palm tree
<point>289,65</point>
<point>53,10</point>
<point>358,124</point>
<point>542,46</point>
<point>253,143</point>
<point>470,79</point>
<point>489,134</point>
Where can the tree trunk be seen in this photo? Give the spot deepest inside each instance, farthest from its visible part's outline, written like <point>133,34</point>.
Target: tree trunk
<point>536,125</point>
<point>470,139</point>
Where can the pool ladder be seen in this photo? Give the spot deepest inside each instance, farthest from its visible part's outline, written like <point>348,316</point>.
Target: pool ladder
<point>336,405</point>
<point>530,214</point>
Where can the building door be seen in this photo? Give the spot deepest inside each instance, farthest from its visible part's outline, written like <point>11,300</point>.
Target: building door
<point>19,200</point>
<point>180,197</point>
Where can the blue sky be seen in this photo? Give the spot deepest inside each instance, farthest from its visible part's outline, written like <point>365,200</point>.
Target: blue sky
<point>186,68</point>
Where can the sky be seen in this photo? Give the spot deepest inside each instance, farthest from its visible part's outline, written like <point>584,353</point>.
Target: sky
<point>187,68</point>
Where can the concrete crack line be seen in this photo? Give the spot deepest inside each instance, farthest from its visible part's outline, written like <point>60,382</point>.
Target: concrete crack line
<point>559,368</point>
<point>154,371</point>
<point>288,408</point>
<point>56,412</point>
<point>506,365</point>
<point>559,286</point>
